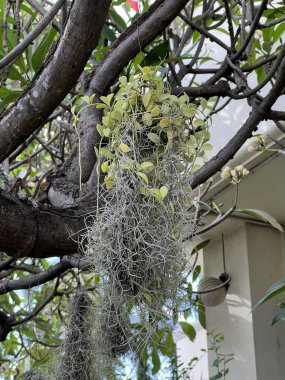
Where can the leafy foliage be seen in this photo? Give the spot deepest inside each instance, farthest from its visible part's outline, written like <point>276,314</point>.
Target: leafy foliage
<point>160,116</point>
<point>221,360</point>
<point>276,289</point>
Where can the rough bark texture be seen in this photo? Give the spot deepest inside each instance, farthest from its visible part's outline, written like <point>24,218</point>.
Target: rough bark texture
<point>58,76</point>
<point>34,232</point>
<point>28,231</point>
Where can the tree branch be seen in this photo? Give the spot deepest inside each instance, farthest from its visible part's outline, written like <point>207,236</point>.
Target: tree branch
<point>144,30</point>
<point>33,232</point>
<point>8,285</point>
<point>258,114</point>
<point>56,79</point>
<point>37,6</point>
<point>8,58</point>
<point>147,27</point>
<point>221,88</point>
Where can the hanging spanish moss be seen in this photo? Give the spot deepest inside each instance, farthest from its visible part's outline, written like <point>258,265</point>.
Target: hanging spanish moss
<point>135,241</point>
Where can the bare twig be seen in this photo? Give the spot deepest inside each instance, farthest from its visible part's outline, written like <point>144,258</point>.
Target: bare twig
<point>31,36</point>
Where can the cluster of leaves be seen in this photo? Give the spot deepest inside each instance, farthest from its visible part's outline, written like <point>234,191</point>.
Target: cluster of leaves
<point>266,43</point>
<point>221,360</point>
<point>19,74</point>
<point>162,119</point>
<point>143,123</point>
<point>39,316</point>
<point>277,288</point>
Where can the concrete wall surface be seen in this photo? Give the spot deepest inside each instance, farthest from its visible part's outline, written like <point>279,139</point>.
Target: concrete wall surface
<point>254,258</point>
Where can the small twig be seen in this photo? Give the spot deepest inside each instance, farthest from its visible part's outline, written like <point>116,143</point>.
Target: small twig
<point>5,61</point>
<point>205,33</point>
<point>230,24</point>
<point>43,12</point>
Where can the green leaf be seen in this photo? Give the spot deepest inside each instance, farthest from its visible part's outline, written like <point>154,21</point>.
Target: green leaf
<point>97,278</point>
<point>143,176</point>
<point>156,193</point>
<point>163,192</point>
<point>196,272</point>
<point>155,361</point>
<point>164,122</point>
<point>15,298</point>
<point>117,19</point>
<point>123,79</point>
<point>125,148</point>
<point>156,54</point>
<point>262,215</point>
<point>267,46</point>
<point>40,53</point>
<point>8,96</point>
<point>189,110</point>
<point>207,147</point>
<point>203,103</point>
<point>148,298</point>
<point>252,55</point>
<point>280,315</point>
<point>188,330</point>
<point>28,10</point>
<point>155,112</point>
<point>148,166</point>
<point>183,99</point>
<point>106,132</point>
<point>106,153</point>
<point>146,98</point>
<point>15,75</point>
<point>200,246</point>
<point>107,99</point>
<point>147,119</point>
<point>105,166</point>
<point>108,33</point>
<point>144,357</point>
<point>278,32</point>
<point>277,288</point>
<point>261,74</point>
<point>154,137</point>
<point>202,315</point>
<point>45,264</point>
<point>110,182</point>
<point>100,129</point>
<point>168,347</point>
<point>199,122</point>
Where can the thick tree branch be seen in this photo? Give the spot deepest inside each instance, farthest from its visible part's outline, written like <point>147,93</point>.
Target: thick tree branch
<point>29,231</point>
<point>8,285</point>
<point>221,89</point>
<point>144,30</point>
<point>58,76</point>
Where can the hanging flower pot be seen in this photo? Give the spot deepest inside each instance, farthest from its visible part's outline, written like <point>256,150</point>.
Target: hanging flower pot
<point>212,291</point>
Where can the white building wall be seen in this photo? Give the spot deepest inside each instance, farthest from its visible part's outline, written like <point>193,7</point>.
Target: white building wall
<point>187,350</point>
<point>254,256</point>
<point>265,255</point>
<point>233,316</point>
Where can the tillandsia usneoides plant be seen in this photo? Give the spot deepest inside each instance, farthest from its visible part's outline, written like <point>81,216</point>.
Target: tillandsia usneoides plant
<point>135,243</point>
<point>152,142</point>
